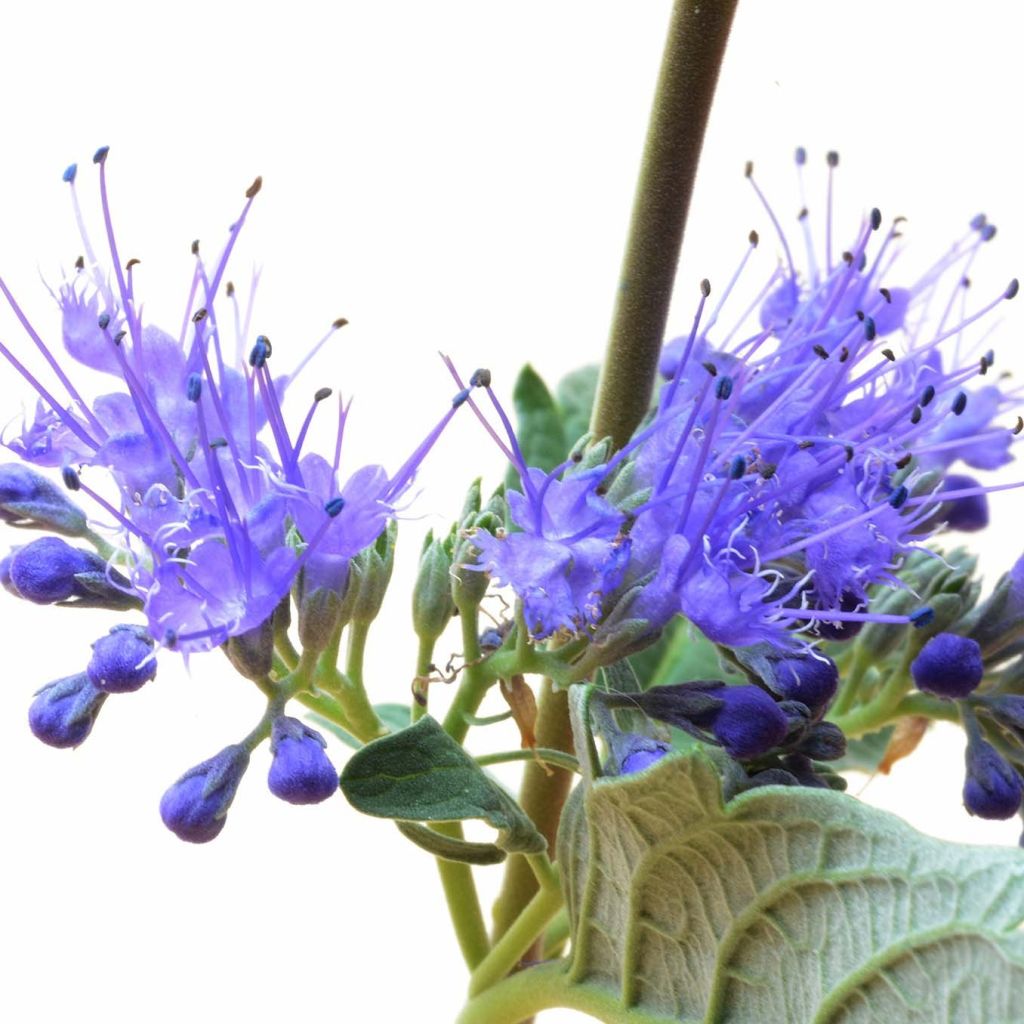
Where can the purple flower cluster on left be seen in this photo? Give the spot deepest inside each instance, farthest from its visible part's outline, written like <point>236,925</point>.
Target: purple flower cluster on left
<point>208,507</point>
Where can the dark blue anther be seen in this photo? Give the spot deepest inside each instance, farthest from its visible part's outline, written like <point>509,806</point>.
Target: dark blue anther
<point>922,617</point>
<point>832,158</point>
<point>170,639</point>
<point>70,477</point>
<point>481,379</point>
<point>876,219</point>
<point>100,155</point>
<point>723,387</point>
<point>988,232</point>
<point>800,156</point>
<point>978,221</point>
<point>461,397</point>
<point>194,387</point>
<point>103,320</point>
<point>899,496</point>
<point>737,467</point>
<point>959,403</point>
<point>1011,289</point>
<point>927,395</point>
<point>334,506</point>
<point>870,331</point>
<point>260,352</point>
<point>69,173</point>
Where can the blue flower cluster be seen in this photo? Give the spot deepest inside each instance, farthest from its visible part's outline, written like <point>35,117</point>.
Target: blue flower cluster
<point>209,508</point>
<point>792,461</point>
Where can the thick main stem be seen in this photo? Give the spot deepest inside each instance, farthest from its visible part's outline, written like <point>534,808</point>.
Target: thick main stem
<point>682,101</point>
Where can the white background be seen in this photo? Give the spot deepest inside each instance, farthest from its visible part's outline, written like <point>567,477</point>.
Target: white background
<point>447,175</point>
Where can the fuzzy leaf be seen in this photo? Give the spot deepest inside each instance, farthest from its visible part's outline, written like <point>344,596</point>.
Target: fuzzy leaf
<point>538,424</point>
<point>422,774</point>
<point>576,392</point>
<point>788,905</point>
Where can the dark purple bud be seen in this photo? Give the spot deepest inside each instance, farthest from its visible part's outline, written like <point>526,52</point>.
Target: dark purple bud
<point>122,661</point>
<point>63,712</point>
<point>812,680</point>
<point>301,772</point>
<point>824,742</point>
<point>992,788</point>
<point>195,808</point>
<point>28,499</point>
<point>948,666</point>
<point>749,723</point>
<point>968,514</point>
<point>44,571</point>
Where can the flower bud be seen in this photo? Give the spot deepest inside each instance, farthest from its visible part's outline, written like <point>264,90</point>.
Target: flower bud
<point>63,712</point>
<point>301,772</point>
<point>252,653</point>
<point>968,514</point>
<point>432,604</point>
<point>810,679</point>
<point>999,621</point>
<point>122,661</point>
<point>992,788</point>
<point>196,806</point>
<point>375,563</point>
<point>28,499</point>
<point>948,666</point>
<point>44,571</point>
<point>749,723</point>
<point>824,742</point>
<point>633,752</point>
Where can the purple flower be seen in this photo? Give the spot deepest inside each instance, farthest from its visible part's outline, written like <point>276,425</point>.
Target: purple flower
<point>301,772</point>
<point>208,475</point>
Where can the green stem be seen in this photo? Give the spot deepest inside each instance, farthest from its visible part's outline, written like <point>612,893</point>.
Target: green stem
<point>693,54</point>
<point>520,937</point>
<point>544,987</point>
<point>558,758</point>
<point>348,688</point>
<point>475,679</point>
<point>463,902</point>
<point>541,796</point>
<point>424,661</point>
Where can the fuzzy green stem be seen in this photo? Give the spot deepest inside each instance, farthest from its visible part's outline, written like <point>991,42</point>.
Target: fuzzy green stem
<point>558,758</point>
<point>693,53</point>
<point>348,689</point>
<point>542,795</point>
<point>525,930</point>
<point>424,663</point>
<point>544,987</point>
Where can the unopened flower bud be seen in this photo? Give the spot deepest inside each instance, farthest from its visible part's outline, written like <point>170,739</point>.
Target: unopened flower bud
<point>195,808</point>
<point>432,604</point>
<point>749,723</point>
<point>44,571</point>
<point>376,563</point>
<point>992,788</point>
<point>999,621</point>
<point>948,666</point>
<point>301,772</point>
<point>122,661</point>
<point>252,653</point>
<point>63,712</point>
<point>824,742</point>
<point>28,499</point>
<point>968,514</point>
<point>633,752</point>
<point>810,679</point>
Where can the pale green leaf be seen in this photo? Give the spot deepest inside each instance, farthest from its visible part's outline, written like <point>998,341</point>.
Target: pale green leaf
<point>787,906</point>
<point>422,774</point>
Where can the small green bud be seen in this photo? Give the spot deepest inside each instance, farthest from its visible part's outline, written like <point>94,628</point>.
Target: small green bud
<point>319,618</point>
<point>432,602</point>
<point>252,653</point>
<point>376,563</point>
<point>471,505</point>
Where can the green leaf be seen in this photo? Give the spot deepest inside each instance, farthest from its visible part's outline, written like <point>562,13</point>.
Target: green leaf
<point>788,905</point>
<point>538,424</point>
<point>576,393</point>
<point>393,716</point>
<point>449,847</point>
<point>422,774</point>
